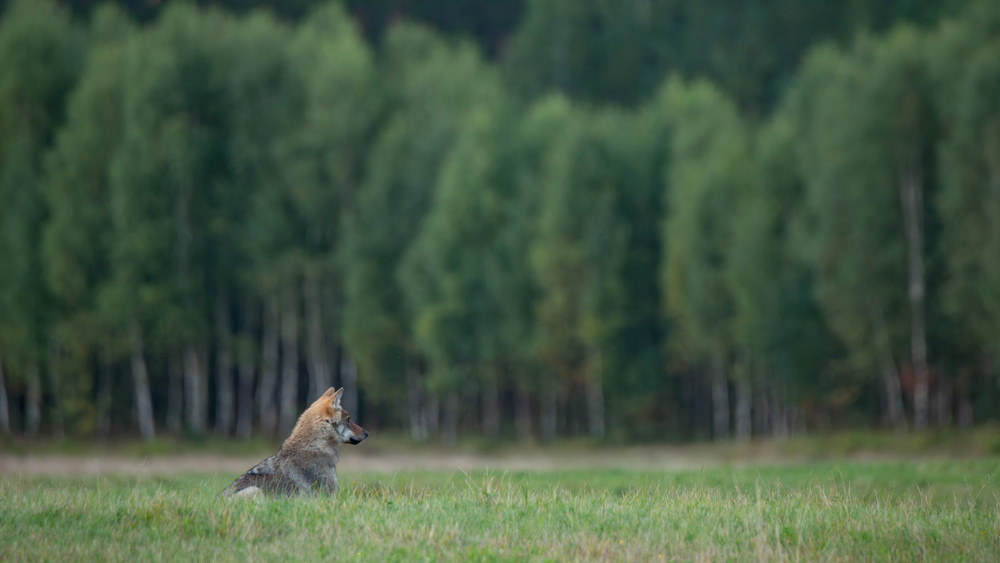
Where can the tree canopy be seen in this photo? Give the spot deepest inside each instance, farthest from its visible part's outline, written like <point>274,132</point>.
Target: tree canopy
<point>646,220</point>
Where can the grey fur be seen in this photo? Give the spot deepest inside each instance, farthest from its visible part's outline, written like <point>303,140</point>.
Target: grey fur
<point>307,461</point>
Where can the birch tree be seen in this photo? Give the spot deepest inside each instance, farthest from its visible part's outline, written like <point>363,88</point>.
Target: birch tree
<point>428,85</point>
<point>40,53</point>
<point>708,168</point>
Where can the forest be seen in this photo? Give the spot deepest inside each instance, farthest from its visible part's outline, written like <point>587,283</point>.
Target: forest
<point>648,220</point>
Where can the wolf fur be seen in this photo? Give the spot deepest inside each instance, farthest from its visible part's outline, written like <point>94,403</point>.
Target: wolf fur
<point>307,460</point>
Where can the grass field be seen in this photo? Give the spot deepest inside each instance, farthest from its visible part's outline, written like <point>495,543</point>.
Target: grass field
<point>901,511</point>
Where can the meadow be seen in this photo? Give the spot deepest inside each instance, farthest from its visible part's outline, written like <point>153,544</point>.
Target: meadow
<point>835,511</point>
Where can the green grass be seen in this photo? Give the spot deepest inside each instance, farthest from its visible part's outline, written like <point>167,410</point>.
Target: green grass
<point>905,511</point>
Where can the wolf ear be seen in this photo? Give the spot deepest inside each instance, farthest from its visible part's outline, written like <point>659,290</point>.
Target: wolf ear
<point>328,394</point>
<point>337,397</point>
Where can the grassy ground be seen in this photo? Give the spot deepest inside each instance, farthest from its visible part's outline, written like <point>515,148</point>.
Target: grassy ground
<point>901,511</point>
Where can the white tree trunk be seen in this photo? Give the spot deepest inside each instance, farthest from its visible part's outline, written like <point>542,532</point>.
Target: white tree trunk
<point>175,393</point>
<point>267,390</point>
<point>449,426</point>
<point>762,414</point>
<point>195,390</point>
<point>895,417</point>
<point>779,422</point>
<point>244,398</point>
<point>318,364</point>
<point>522,415</point>
<point>140,384</point>
<point>287,412</point>
<point>195,385</point>
<point>548,417</point>
<point>911,194</point>
<point>33,401</point>
<point>4,407</point>
<point>742,410</point>
<point>762,407</point>
<point>104,397</point>
<point>943,407</point>
<point>491,405</point>
<point>798,422</point>
<point>349,381</point>
<point>432,415</point>
<point>720,399</point>
<point>595,394</point>
<point>414,402</point>
<point>55,390</point>
<point>965,415</point>
<point>244,385</point>
<point>224,411</point>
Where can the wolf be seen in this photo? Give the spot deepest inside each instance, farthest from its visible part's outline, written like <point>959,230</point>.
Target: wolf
<point>307,460</point>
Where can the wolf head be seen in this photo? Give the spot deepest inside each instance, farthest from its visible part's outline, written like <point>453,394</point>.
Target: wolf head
<point>340,419</point>
<point>326,424</point>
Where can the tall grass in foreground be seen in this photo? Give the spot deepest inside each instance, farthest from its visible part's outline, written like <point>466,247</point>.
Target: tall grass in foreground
<point>898,512</point>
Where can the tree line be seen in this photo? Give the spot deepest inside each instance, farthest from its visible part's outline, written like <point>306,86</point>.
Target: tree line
<point>208,219</point>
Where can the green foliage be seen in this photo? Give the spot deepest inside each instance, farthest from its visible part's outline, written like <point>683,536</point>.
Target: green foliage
<point>970,170</point>
<point>777,322</point>
<point>853,168</point>
<point>450,272</point>
<point>429,84</point>
<point>40,56</point>
<point>262,100</point>
<point>75,187</point>
<point>709,167</point>
<point>321,157</point>
<point>599,50</point>
<point>464,233</point>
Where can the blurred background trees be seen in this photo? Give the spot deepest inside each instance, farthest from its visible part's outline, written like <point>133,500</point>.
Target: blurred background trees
<point>651,220</point>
